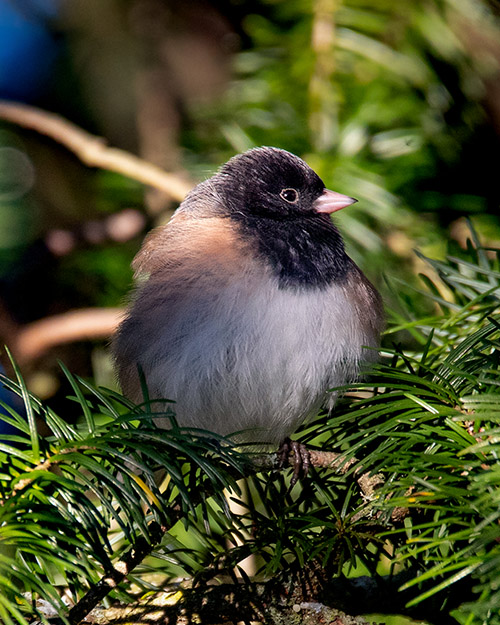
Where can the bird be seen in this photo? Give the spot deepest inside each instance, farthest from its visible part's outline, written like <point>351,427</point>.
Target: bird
<point>247,309</point>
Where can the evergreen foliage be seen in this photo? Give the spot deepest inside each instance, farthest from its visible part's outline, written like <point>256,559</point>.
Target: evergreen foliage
<point>73,502</point>
<point>425,424</point>
<point>394,113</point>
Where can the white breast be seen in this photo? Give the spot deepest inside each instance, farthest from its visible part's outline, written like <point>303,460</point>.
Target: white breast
<point>254,357</point>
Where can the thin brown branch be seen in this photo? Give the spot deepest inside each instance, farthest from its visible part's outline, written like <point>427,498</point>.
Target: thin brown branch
<point>323,104</point>
<point>368,483</point>
<point>272,602</point>
<point>93,150</point>
<point>46,465</point>
<point>113,578</point>
<point>142,548</point>
<point>250,601</point>
<point>35,338</point>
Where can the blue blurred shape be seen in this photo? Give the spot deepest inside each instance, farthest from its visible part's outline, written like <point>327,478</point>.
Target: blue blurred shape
<point>28,47</point>
<point>12,400</point>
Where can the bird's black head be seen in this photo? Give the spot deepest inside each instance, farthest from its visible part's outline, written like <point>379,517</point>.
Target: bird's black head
<point>281,205</point>
<point>269,183</point>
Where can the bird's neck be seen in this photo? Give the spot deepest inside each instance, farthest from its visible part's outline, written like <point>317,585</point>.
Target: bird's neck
<point>302,253</point>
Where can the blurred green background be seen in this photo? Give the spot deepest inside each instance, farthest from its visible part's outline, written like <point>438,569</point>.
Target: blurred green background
<point>394,103</point>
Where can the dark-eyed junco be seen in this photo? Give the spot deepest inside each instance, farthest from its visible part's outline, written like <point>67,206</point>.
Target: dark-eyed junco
<point>248,310</point>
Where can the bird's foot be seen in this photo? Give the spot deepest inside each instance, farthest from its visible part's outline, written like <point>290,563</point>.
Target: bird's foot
<point>301,458</point>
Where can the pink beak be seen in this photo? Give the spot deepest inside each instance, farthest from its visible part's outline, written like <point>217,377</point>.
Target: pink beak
<point>330,201</point>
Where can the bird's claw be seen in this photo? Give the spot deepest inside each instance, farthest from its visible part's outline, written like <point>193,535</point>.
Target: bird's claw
<point>301,458</point>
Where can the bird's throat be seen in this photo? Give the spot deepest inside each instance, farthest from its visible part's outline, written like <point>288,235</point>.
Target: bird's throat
<point>302,253</point>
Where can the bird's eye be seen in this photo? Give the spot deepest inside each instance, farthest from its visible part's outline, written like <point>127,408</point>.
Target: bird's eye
<point>290,195</point>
